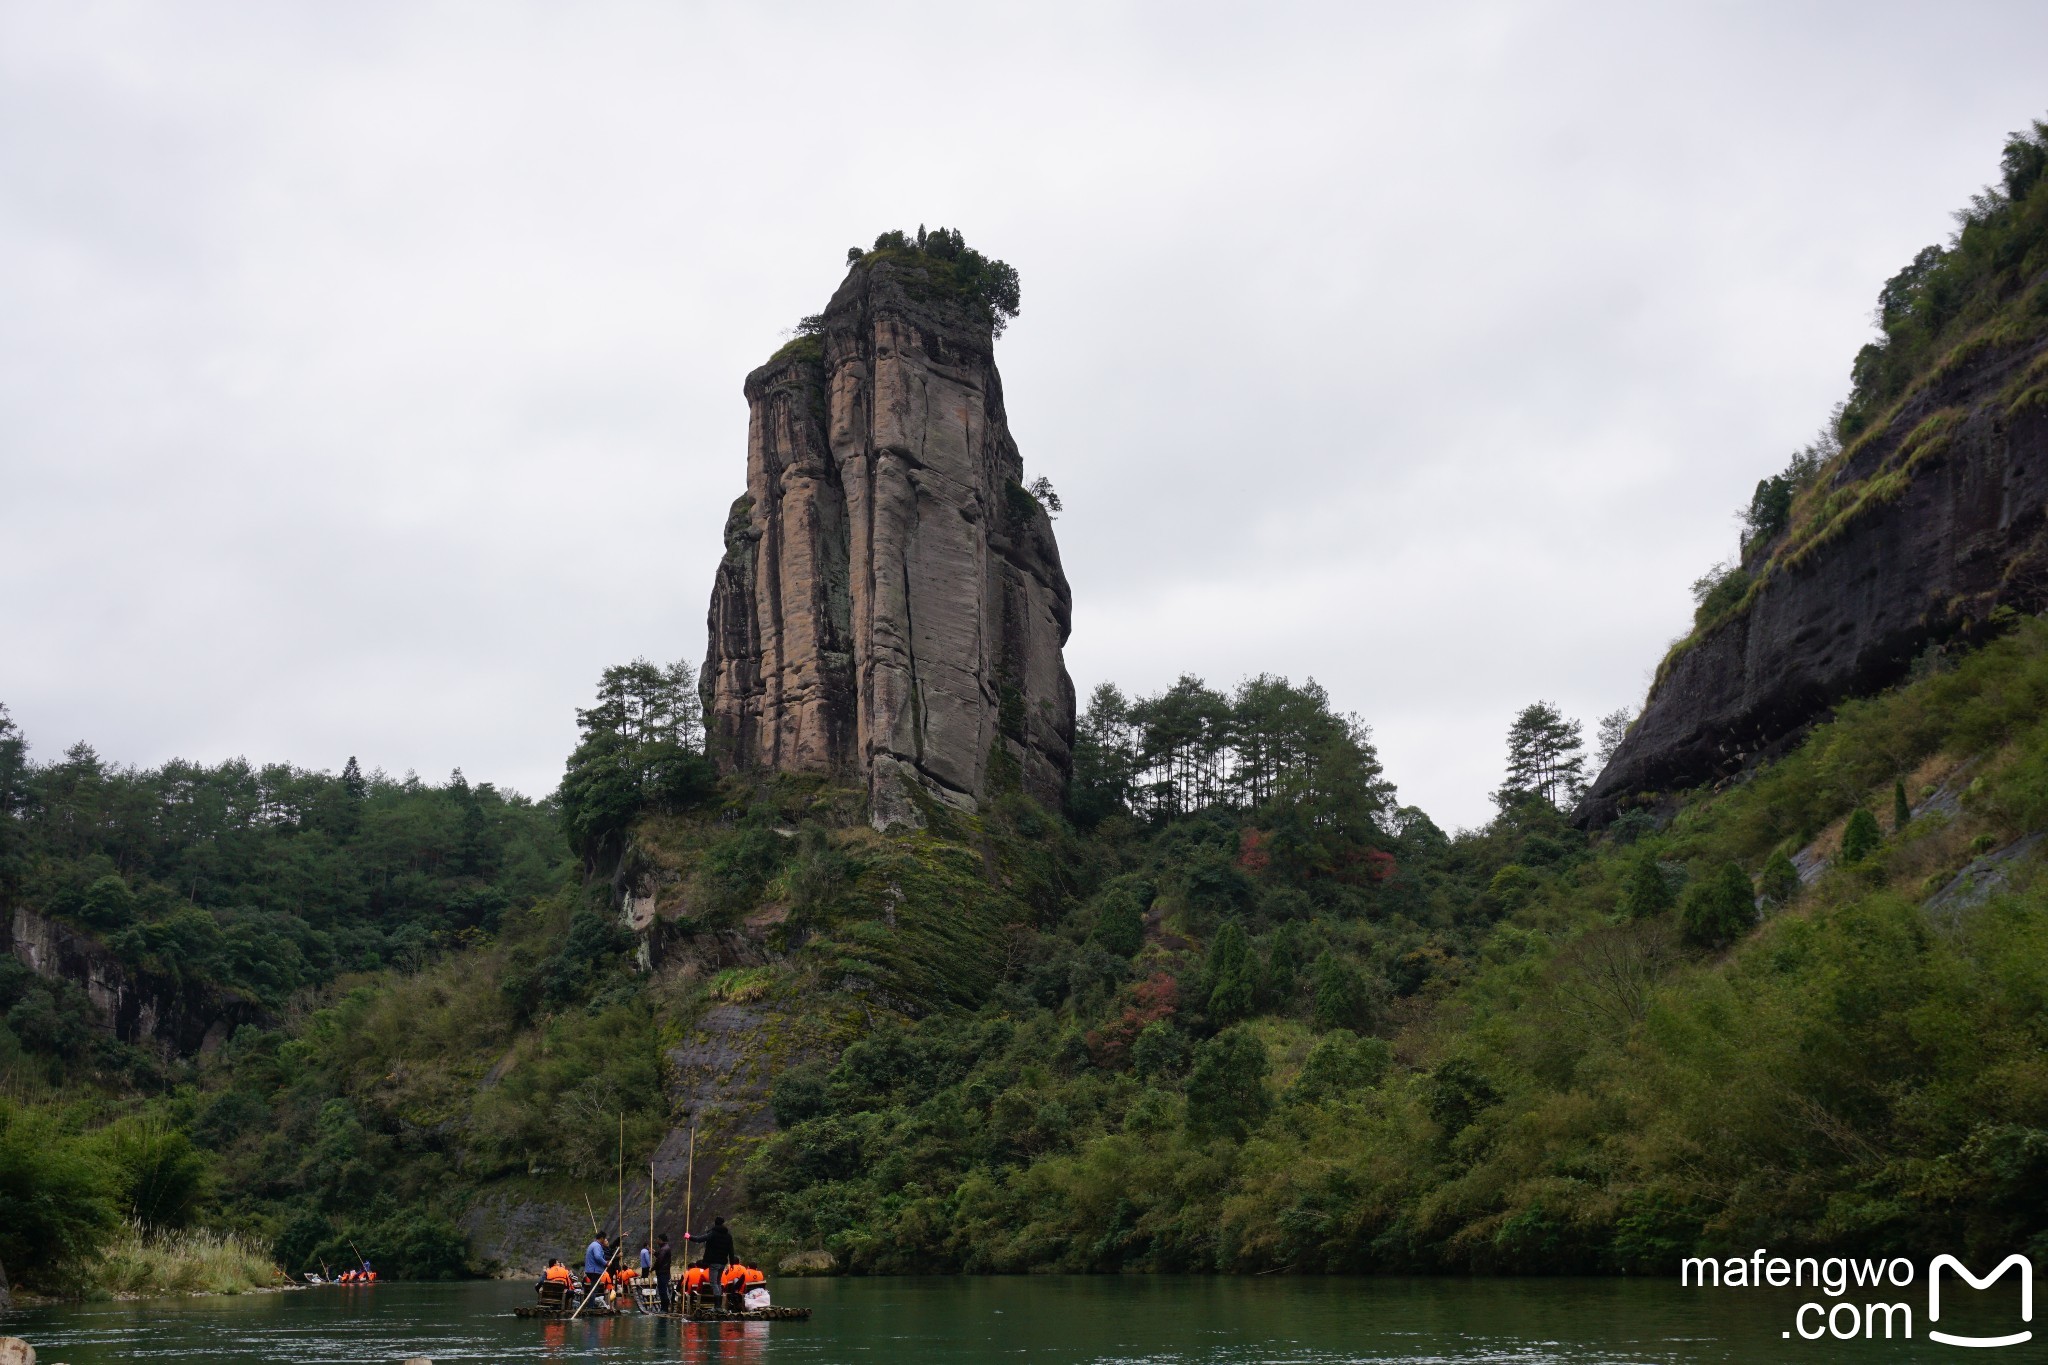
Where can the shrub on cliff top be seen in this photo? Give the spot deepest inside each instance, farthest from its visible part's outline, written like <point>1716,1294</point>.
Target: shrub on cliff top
<point>950,262</point>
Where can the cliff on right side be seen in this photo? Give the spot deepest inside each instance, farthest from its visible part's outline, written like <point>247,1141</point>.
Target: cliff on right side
<point>1916,525</point>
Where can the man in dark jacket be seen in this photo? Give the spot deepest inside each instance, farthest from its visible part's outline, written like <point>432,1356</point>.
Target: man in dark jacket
<point>663,1258</point>
<point>717,1248</point>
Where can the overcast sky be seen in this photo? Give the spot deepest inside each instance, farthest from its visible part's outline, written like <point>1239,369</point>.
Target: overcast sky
<point>370,373</point>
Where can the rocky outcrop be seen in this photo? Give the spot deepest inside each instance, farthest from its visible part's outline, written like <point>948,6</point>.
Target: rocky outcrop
<point>1940,520</point>
<point>135,1007</point>
<point>890,609</point>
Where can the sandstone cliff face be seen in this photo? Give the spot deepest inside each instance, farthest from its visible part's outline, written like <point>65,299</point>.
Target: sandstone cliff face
<point>136,1008</point>
<point>890,608</point>
<point>1949,523</point>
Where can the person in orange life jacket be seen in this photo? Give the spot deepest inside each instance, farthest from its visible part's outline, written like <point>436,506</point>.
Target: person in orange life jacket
<point>731,1283</point>
<point>696,1283</point>
<point>556,1273</point>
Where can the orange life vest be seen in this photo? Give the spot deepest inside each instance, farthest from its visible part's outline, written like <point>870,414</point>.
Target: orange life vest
<point>732,1276</point>
<point>695,1276</point>
<point>558,1274</point>
<point>753,1276</point>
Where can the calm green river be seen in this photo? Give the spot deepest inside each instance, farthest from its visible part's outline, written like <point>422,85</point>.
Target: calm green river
<point>970,1321</point>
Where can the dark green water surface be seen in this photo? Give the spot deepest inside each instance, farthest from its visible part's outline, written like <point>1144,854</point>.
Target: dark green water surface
<point>975,1321</point>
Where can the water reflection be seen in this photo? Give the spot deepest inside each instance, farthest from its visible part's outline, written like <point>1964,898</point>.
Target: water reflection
<point>1130,1321</point>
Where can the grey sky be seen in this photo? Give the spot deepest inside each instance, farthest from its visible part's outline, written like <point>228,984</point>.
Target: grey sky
<point>370,373</point>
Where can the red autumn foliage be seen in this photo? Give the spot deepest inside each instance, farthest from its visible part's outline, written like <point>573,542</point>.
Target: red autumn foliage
<point>1153,999</point>
<point>1252,853</point>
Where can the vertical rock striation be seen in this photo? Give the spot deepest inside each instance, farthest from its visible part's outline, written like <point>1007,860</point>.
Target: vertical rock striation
<point>890,607</point>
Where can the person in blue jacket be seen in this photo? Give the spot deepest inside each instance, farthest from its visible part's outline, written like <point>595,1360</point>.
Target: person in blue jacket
<point>596,1257</point>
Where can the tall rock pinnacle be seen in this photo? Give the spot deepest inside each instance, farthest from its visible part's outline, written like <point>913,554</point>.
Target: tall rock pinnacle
<point>890,608</point>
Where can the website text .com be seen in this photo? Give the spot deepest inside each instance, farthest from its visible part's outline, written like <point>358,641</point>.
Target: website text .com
<point>1879,1309</point>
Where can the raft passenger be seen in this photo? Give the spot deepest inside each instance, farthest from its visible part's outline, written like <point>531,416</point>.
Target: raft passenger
<point>664,1260</point>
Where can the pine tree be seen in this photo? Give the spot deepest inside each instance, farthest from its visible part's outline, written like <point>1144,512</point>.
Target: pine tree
<point>1341,1000</point>
<point>1227,1093</point>
<point>1229,975</point>
<point>1647,894</point>
<point>1860,837</point>
<point>1613,730</point>
<point>1546,758</point>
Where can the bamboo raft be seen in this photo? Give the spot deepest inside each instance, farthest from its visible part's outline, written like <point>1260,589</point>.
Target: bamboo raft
<point>555,1300</point>
<point>772,1313</point>
<point>559,1305</point>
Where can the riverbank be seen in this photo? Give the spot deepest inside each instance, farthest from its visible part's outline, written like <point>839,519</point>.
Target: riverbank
<point>139,1265</point>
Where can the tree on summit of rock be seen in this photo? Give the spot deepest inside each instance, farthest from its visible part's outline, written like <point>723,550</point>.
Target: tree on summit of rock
<point>1546,758</point>
<point>994,283</point>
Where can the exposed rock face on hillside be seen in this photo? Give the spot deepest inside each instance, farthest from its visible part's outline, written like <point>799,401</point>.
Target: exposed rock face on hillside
<point>1944,519</point>
<point>891,607</point>
<point>135,1007</point>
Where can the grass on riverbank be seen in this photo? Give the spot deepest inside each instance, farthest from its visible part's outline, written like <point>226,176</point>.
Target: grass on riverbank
<point>180,1263</point>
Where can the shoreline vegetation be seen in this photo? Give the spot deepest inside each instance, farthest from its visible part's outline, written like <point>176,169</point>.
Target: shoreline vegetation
<point>139,1264</point>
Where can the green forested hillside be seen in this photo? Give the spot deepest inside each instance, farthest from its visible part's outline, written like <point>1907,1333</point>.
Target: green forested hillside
<point>1528,1060</point>
<point>1247,1013</point>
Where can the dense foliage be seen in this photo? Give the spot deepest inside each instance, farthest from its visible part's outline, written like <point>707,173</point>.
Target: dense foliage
<point>1997,257</point>
<point>1561,1059</point>
<point>1250,1013</point>
<point>398,936</point>
<point>642,750</point>
<point>231,880</point>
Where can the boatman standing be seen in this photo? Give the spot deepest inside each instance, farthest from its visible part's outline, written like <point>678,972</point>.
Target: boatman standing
<point>717,1248</point>
<point>596,1257</point>
<point>664,1259</point>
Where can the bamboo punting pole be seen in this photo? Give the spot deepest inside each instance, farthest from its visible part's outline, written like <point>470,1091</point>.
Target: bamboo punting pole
<point>689,1197</point>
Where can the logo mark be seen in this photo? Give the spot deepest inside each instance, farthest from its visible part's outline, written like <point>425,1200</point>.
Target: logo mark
<point>2026,1269</point>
